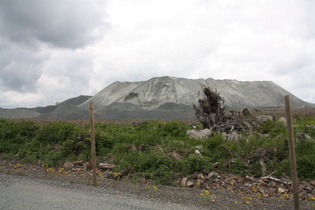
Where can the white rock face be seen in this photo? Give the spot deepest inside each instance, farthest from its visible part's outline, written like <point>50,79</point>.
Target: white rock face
<point>157,91</point>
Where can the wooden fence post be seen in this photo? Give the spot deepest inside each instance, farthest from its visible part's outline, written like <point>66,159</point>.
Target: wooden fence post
<point>292,153</point>
<point>93,158</point>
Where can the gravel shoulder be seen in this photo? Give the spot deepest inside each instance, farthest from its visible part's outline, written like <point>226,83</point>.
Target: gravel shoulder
<point>26,193</point>
<point>36,189</point>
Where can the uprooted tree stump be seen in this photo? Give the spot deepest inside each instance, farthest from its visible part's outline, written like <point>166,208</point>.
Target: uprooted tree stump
<point>211,114</point>
<point>214,118</point>
<point>210,110</point>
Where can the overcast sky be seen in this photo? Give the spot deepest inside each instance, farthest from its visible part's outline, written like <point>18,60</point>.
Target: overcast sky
<point>51,51</point>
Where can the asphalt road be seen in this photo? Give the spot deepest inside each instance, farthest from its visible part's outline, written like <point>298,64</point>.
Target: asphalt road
<point>25,193</point>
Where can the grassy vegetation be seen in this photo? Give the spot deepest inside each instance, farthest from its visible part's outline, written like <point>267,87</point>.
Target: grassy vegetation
<point>161,152</point>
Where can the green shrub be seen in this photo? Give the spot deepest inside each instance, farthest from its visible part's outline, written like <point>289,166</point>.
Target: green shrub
<point>32,151</point>
<point>150,146</point>
<point>238,168</point>
<point>173,129</point>
<point>305,147</point>
<point>163,175</point>
<point>273,128</point>
<point>150,161</point>
<point>150,164</point>
<point>214,142</point>
<point>303,120</point>
<point>15,134</point>
<point>216,148</point>
<point>306,167</point>
<point>149,126</point>
<point>305,157</point>
<point>104,143</point>
<point>304,124</point>
<point>56,132</point>
<point>196,163</point>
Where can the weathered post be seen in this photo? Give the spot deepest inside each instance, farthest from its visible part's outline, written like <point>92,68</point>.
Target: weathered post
<point>292,153</point>
<point>93,158</point>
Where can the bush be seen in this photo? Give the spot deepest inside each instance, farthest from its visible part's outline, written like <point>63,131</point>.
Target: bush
<point>214,142</point>
<point>215,148</point>
<point>56,132</point>
<point>238,168</point>
<point>306,167</point>
<point>15,134</point>
<point>273,128</point>
<point>305,125</point>
<point>149,148</point>
<point>104,143</point>
<point>173,129</point>
<point>31,151</point>
<point>196,163</point>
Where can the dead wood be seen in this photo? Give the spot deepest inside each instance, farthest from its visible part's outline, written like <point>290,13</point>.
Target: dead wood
<point>210,110</point>
<point>212,115</point>
<point>106,166</point>
<point>280,181</point>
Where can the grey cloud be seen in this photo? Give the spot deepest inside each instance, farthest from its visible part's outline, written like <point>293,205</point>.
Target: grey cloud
<point>26,25</point>
<point>19,69</point>
<point>65,24</point>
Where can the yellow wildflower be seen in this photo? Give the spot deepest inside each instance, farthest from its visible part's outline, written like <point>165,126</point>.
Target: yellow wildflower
<point>247,199</point>
<point>117,174</point>
<point>61,170</point>
<point>205,192</point>
<point>50,170</point>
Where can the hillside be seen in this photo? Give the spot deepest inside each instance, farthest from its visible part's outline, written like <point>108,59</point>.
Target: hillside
<point>155,92</point>
<point>162,98</point>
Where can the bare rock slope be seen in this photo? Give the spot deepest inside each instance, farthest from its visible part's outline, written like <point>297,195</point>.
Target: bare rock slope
<point>155,92</point>
<point>168,98</point>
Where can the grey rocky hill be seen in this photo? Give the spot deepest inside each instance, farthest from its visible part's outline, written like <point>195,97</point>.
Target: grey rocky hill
<point>161,98</point>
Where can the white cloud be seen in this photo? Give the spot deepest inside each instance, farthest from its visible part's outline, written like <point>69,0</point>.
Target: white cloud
<point>9,99</point>
<point>82,50</point>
